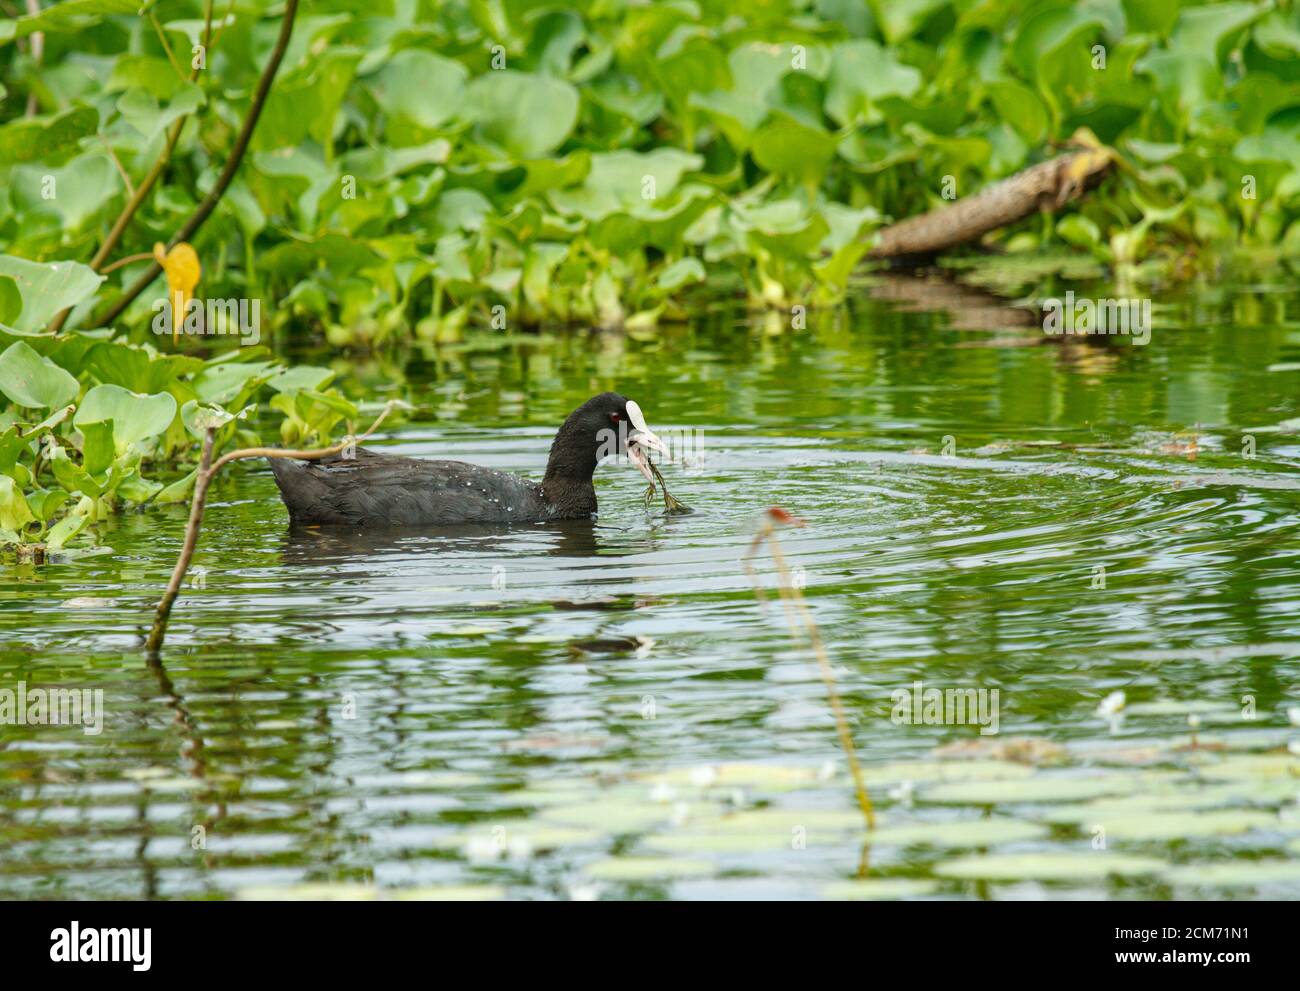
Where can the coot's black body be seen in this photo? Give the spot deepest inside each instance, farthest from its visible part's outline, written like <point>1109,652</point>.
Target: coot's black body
<point>372,489</point>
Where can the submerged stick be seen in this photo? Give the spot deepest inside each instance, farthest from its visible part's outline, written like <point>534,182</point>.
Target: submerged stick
<point>796,607</point>
<point>202,479</point>
<point>1046,186</point>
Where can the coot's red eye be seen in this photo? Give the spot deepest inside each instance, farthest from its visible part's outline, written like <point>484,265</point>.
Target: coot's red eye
<point>614,417</point>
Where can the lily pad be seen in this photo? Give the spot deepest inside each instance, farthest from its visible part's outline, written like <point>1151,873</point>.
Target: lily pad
<point>878,889</point>
<point>1036,789</point>
<point>647,869</point>
<point>624,815</point>
<point>450,893</point>
<point>964,833</point>
<point>770,777</point>
<point>1234,874</point>
<point>1182,825</point>
<point>1255,767</point>
<point>1048,866</point>
<point>920,772</point>
<point>516,837</point>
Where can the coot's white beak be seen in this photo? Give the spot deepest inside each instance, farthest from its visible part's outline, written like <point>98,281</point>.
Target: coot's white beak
<point>641,439</point>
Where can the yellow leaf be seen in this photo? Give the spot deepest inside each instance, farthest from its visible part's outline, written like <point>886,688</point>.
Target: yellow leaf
<point>181,266</point>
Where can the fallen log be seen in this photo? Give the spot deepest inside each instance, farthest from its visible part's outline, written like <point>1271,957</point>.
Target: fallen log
<point>1046,186</point>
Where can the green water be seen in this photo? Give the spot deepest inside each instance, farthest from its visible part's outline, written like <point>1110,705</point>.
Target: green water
<point>608,711</point>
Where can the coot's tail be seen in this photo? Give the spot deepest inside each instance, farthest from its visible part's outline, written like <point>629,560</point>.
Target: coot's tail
<point>299,487</point>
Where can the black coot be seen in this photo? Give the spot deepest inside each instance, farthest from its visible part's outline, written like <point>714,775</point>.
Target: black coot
<point>373,489</point>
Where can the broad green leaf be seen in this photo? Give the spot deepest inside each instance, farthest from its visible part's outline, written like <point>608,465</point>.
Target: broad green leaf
<point>179,490</point>
<point>900,19</point>
<point>1208,31</point>
<point>1020,107</point>
<point>420,86</point>
<point>44,503</point>
<point>306,104</point>
<point>78,193</point>
<point>66,529</point>
<point>48,288</point>
<point>222,383</point>
<point>737,115</point>
<point>136,417</point>
<point>789,148</point>
<point>11,300</point>
<point>1183,81</point>
<point>861,73</point>
<point>141,109</point>
<point>626,181</point>
<point>680,273</point>
<point>97,448</point>
<point>12,445</point>
<point>69,15</point>
<point>46,139</point>
<point>1278,142</point>
<point>33,381</point>
<point>14,513</point>
<point>301,377</point>
<point>526,115</point>
<point>138,368</point>
<point>73,477</point>
<point>139,489</point>
<point>199,418</point>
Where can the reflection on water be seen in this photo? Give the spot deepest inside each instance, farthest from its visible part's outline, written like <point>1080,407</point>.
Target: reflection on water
<point>605,709</point>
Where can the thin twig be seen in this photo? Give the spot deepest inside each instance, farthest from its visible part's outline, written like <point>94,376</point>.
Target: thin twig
<point>142,256</point>
<point>126,179</point>
<point>38,50</point>
<point>225,23</point>
<point>795,605</point>
<point>204,209</point>
<point>206,471</point>
<point>141,192</point>
<point>201,480</point>
<point>171,56</point>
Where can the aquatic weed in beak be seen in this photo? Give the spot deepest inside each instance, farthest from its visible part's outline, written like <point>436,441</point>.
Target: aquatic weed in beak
<point>641,439</point>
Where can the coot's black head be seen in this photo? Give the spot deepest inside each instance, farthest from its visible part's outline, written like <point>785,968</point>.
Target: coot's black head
<point>605,425</point>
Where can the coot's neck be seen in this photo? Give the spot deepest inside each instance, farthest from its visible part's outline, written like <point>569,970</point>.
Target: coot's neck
<point>567,487</point>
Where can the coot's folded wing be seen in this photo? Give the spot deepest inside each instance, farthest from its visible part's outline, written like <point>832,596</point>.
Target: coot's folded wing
<point>377,489</point>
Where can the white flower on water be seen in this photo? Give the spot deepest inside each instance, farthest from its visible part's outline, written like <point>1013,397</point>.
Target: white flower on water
<point>1194,721</point>
<point>663,793</point>
<point>681,812</point>
<point>1111,704</point>
<point>902,793</point>
<point>483,849</point>
<point>827,771</point>
<point>584,893</point>
<point>704,776</point>
<point>1294,747</point>
<point>1293,715</point>
<point>1111,709</point>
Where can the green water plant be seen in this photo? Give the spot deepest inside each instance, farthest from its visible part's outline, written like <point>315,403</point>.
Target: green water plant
<point>436,164</point>
<point>94,425</point>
